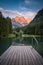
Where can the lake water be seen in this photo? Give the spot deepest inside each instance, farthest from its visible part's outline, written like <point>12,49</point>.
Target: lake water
<point>6,42</point>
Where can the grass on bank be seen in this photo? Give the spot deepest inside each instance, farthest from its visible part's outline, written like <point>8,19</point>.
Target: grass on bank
<point>23,35</point>
<point>11,35</point>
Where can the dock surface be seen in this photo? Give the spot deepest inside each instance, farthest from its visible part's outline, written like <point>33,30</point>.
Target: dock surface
<point>21,55</point>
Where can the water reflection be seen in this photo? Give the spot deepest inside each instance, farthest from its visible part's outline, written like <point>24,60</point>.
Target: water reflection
<point>6,42</point>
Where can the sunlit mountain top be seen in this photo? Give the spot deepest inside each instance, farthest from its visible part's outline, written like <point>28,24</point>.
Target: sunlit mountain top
<point>21,20</point>
<point>29,20</point>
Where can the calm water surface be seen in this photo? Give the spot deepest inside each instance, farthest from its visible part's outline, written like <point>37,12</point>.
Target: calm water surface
<point>6,42</point>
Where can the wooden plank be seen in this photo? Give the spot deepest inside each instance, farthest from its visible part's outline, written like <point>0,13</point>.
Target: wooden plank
<point>6,58</point>
<point>21,55</point>
<point>32,58</point>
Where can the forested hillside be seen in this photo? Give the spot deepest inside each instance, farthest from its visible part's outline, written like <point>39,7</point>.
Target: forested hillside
<point>5,25</point>
<point>36,25</point>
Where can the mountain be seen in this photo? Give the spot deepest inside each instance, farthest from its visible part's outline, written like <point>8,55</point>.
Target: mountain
<point>28,20</point>
<point>16,25</point>
<point>38,18</point>
<point>20,19</point>
<point>36,25</point>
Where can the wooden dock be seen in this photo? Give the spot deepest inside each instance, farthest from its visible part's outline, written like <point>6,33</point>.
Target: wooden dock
<point>21,55</point>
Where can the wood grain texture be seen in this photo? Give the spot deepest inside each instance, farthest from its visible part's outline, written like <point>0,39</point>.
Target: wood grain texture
<point>21,55</point>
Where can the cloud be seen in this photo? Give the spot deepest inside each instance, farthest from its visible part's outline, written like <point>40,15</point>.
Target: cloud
<point>31,2</point>
<point>13,14</point>
<point>9,12</point>
<point>29,14</point>
<point>23,8</point>
<point>27,2</point>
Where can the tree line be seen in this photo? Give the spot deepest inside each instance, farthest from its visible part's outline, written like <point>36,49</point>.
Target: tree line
<point>5,25</point>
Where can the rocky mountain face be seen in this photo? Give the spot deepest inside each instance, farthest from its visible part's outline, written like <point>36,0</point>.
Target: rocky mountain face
<point>16,25</point>
<point>29,20</point>
<point>21,20</point>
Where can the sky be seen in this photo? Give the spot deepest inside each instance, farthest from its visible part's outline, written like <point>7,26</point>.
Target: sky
<point>26,8</point>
